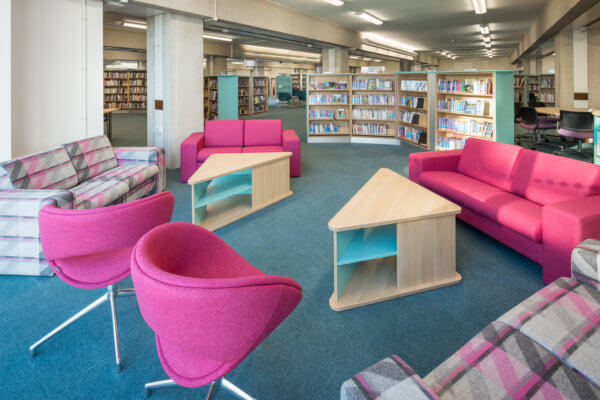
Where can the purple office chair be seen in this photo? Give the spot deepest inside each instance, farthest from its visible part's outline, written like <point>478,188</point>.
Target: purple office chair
<point>91,249</point>
<point>532,122</point>
<point>576,125</point>
<point>208,307</point>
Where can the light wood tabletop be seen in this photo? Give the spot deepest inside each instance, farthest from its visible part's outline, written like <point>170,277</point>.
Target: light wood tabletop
<point>555,111</point>
<point>110,110</point>
<point>596,112</point>
<point>390,198</point>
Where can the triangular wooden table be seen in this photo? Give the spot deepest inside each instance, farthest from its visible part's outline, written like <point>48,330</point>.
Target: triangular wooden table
<point>392,239</point>
<point>228,187</point>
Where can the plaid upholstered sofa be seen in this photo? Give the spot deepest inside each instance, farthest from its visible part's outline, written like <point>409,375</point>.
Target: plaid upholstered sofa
<point>547,347</point>
<point>89,173</point>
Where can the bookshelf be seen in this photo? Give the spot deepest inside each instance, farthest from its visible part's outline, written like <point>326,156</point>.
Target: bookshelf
<point>243,95</point>
<point>414,109</point>
<point>328,105</point>
<point>211,97</point>
<point>125,90</point>
<point>373,105</point>
<point>260,94</point>
<point>547,89</point>
<point>520,89</point>
<point>221,97</point>
<point>533,86</point>
<point>297,81</point>
<point>474,104</point>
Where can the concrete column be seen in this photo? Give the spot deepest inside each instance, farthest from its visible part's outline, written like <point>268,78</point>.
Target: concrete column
<point>5,81</point>
<point>593,63</point>
<point>175,59</point>
<point>563,43</point>
<point>217,65</point>
<point>533,65</point>
<point>258,71</point>
<point>580,66</point>
<point>335,59</point>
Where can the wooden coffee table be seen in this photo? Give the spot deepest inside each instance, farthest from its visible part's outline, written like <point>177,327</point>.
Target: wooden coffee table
<point>228,187</point>
<point>392,239</point>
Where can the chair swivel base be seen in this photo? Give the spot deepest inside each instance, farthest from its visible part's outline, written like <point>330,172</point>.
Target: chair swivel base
<point>212,391</point>
<point>111,294</point>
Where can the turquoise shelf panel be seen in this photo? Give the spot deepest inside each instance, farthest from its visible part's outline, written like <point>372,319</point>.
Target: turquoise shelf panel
<point>228,97</point>
<point>369,244</point>
<point>596,140</point>
<point>224,187</point>
<point>284,84</point>
<point>505,110</point>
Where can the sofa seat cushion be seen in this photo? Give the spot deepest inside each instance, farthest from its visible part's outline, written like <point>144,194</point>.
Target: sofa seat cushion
<point>91,157</point>
<point>547,178</point>
<point>226,133</point>
<point>94,194</point>
<point>513,212</point>
<point>263,149</point>
<point>262,132</point>
<point>489,162</point>
<point>503,363</point>
<point>563,317</point>
<point>132,174</point>
<point>205,152</point>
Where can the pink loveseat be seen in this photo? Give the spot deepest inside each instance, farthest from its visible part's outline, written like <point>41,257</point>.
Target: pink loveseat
<point>237,136</point>
<point>539,204</point>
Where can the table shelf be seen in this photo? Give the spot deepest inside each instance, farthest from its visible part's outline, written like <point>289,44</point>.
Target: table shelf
<point>224,187</point>
<point>368,244</point>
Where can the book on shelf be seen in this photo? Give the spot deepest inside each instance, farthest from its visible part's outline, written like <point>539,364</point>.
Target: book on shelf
<point>519,81</point>
<point>321,127</point>
<point>545,97</point>
<point>410,117</point>
<point>329,85</point>
<point>413,85</point>
<point>373,84</point>
<point>321,114</point>
<point>475,107</point>
<point>547,83</point>
<point>370,128</point>
<point>316,99</point>
<point>466,127</point>
<point>412,101</point>
<point>340,113</point>
<point>470,86</point>
<point>412,134</point>
<point>373,113</point>
<point>449,143</point>
<point>373,99</point>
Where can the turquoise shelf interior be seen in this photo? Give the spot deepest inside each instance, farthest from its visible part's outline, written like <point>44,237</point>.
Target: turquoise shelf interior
<point>367,244</point>
<point>223,187</point>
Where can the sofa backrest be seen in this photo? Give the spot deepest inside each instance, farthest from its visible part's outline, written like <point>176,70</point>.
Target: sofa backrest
<point>50,169</point>
<point>226,133</point>
<point>489,162</point>
<point>547,178</point>
<point>262,132</point>
<point>91,157</point>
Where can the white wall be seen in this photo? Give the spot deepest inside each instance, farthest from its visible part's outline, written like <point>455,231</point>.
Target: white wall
<point>5,81</point>
<point>52,105</point>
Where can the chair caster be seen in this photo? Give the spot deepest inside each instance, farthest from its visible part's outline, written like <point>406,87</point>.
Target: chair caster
<point>32,353</point>
<point>119,367</point>
<point>146,393</point>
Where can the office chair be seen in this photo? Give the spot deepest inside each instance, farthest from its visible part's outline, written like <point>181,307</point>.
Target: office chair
<point>532,122</point>
<point>576,125</point>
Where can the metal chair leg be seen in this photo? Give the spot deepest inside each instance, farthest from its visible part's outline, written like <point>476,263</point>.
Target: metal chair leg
<point>68,322</point>
<point>112,296</point>
<point>148,387</point>
<point>214,387</point>
<point>125,292</point>
<point>225,384</point>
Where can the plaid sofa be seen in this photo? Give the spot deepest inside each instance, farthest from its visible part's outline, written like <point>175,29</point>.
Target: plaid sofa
<point>547,347</point>
<point>89,173</point>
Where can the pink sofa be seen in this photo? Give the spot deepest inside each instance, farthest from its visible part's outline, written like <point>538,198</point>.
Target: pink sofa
<point>539,204</point>
<point>237,136</point>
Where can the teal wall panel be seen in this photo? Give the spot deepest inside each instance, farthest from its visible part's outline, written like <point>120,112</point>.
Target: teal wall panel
<point>228,97</point>
<point>284,84</point>
<point>505,109</point>
<point>596,140</point>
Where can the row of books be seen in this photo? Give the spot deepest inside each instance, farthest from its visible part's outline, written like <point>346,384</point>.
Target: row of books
<point>212,83</point>
<point>369,129</point>
<point>534,87</point>
<point>137,82</point>
<point>138,75</point>
<point>115,97</point>
<point>464,127</point>
<point>243,92</point>
<point>322,127</point>
<point>213,95</point>
<point>259,99</point>
<point>322,114</point>
<point>449,143</point>
<point>115,75</point>
<point>259,108</point>
<point>373,84</point>
<point>412,101</point>
<point>374,99</point>
<point>261,91</point>
<point>545,97</point>
<point>373,113</point>
<point>328,99</point>
<point>329,85</point>
<point>474,86</point>
<point>547,83</point>
<point>137,89</point>
<point>243,110</point>
<point>112,82</point>
<point>410,117</point>
<point>412,134</point>
<point>465,106</point>
<point>114,90</point>
<point>414,85</point>
<point>519,81</point>
<point>260,82</point>
<point>137,97</point>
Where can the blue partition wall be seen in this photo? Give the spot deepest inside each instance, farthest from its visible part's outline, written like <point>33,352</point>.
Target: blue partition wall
<point>228,97</point>
<point>284,84</point>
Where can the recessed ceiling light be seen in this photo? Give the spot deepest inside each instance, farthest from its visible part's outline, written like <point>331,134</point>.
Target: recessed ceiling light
<point>134,25</point>
<point>355,57</point>
<point>213,37</point>
<point>485,30</point>
<point>480,6</point>
<point>369,18</point>
<point>376,60</point>
<point>336,3</point>
<point>488,45</point>
<point>367,59</point>
<point>444,53</point>
<point>487,39</point>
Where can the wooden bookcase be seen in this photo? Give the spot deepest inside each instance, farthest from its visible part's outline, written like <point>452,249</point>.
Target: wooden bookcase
<point>296,81</point>
<point>520,86</point>
<point>260,94</point>
<point>243,95</point>
<point>373,105</point>
<point>328,105</point>
<point>474,104</point>
<point>414,110</point>
<point>547,89</point>
<point>533,86</point>
<point>211,97</point>
<point>125,90</point>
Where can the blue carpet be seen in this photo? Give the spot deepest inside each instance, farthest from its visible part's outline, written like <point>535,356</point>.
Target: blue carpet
<point>315,349</point>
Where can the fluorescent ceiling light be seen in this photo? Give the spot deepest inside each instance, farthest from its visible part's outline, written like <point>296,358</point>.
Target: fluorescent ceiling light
<point>487,39</point>
<point>134,25</point>
<point>376,60</point>
<point>367,59</point>
<point>355,57</point>
<point>480,6</point>
<point>373,37</point>
<point>488,45</point>
<point>485,30</point>
<point>444,53</point>
<point>213,37</point>
<point>369,18</point>
<point>336,3</point>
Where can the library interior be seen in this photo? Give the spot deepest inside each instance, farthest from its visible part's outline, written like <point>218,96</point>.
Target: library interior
<point>300,199</point>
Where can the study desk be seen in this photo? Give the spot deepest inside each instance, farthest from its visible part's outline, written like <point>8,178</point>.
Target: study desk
<point>555,111</point>
<point>108,121</point>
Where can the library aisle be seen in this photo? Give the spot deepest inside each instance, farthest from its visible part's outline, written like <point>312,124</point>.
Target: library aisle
<point>129,129</point>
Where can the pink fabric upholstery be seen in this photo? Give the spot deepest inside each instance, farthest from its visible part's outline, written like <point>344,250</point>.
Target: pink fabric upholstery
<point>576,134</point>
<point>91,248</point>
<point>546,178</point>
<point>208,307</point>
<point>226,133</point>
<point>489,162</point>
<point>432,161</point>
<point>262,132</point>
<point>205,152</point>
<point>291,143</point>
<point>528,126</point>
<point>262,149</point>
<point>189,153</point>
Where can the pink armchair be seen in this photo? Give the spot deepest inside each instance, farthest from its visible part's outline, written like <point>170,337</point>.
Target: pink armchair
<point>238,136</point>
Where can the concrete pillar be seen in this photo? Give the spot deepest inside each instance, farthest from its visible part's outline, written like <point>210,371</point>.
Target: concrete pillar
<point>533,65</point>
<point>563,43</point>
<point>258,70</point>
<point>580,67</point>
<point>335,59</point>
<point>175,85</point>
<point>593,63</point>
<point>217,65</point>
<point>5,81</point>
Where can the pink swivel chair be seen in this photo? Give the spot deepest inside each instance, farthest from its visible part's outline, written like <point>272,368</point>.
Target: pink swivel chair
<point>91,249</point>
<point>208,307</point>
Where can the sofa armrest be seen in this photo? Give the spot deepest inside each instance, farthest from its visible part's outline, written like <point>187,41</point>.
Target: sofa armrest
<point>189,154</point>
<point>20,246</point>
<point>564,226</point>
<point>145,155</point>
<point>585,263</point>
<point>291,142</point>
<point>390,378</point>
<point>432,161</point>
